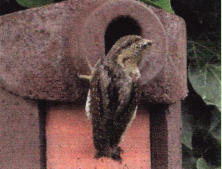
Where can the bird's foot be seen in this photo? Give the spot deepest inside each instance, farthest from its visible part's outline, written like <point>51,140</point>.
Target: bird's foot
<point>117,157</point>
<point>106,152</point>
<point>116,154</point>
<point>99,155</point>
<point>120,150</point>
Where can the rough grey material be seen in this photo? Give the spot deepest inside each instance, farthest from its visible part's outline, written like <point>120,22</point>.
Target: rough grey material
<point>171,83</point>
<point>35,59</point>
<point>43,49</point>
<point>165,134</point>
<point>19,133</point>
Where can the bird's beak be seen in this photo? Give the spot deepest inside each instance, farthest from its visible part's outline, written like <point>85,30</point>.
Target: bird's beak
<point>147,42</point>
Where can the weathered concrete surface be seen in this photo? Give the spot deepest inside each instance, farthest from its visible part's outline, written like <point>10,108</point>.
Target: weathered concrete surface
<point>20,141</point>
<point>165,134</point>
<point>95,26</point>
<point>43,49</point>
<point>171,83</point>
<point>34,61</point>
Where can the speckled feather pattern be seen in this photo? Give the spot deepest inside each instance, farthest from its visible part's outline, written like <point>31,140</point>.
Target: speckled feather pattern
<point>113,103</point>
<point>113,96</point>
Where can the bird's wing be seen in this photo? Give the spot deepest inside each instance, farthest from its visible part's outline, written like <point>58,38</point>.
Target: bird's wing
<point>117,98</point>
<point>99,94</point>
<point>128,101</point>
<point>105,84</point>
<point>109,98</point>
<point>124,96</point>
<point>124,115</point>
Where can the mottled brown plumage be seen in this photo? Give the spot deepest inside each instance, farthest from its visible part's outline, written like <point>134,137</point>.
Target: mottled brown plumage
<point>113,95</point>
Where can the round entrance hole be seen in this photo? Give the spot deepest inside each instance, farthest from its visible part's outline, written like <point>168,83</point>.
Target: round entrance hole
<point>120,26</point>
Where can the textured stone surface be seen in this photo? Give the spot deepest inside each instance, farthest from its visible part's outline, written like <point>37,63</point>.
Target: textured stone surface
<point>92,40</point>
<point>19,133</point>
<point>43,49</point>
<point>171,83</point>
<point>165,130</point>
<point>35,58</point>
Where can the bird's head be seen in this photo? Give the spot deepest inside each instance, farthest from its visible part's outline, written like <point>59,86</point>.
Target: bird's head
<point>131,51</point>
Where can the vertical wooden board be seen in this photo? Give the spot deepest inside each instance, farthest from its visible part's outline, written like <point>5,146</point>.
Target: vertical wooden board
<point>165,129</point>
<point>20,135</point>
<point>70,144</point>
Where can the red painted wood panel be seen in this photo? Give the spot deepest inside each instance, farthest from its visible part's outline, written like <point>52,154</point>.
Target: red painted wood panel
<point>70,144</point>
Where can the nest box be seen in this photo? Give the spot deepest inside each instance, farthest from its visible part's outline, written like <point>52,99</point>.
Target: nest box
<point>42,50</point>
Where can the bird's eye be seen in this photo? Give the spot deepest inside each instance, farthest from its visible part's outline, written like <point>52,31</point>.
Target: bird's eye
<point>128,62</point>
<point>125,60</point>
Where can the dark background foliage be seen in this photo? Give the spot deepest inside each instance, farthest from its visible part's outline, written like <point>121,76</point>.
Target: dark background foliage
<point>201,121</point>
<point>202,17</point>
<point>201,112</point>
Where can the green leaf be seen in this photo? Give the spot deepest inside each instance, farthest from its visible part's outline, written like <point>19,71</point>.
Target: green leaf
<point>187,130</point>
<point>163,4</point>
<point>206,82</point>
<point>201,52</point>
<point>189,161</point>
<point>215,127</point>
<point>202,164</point>
<point>33,3</point>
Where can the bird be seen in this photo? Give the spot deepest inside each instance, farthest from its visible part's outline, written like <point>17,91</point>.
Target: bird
<point>113,95</point>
